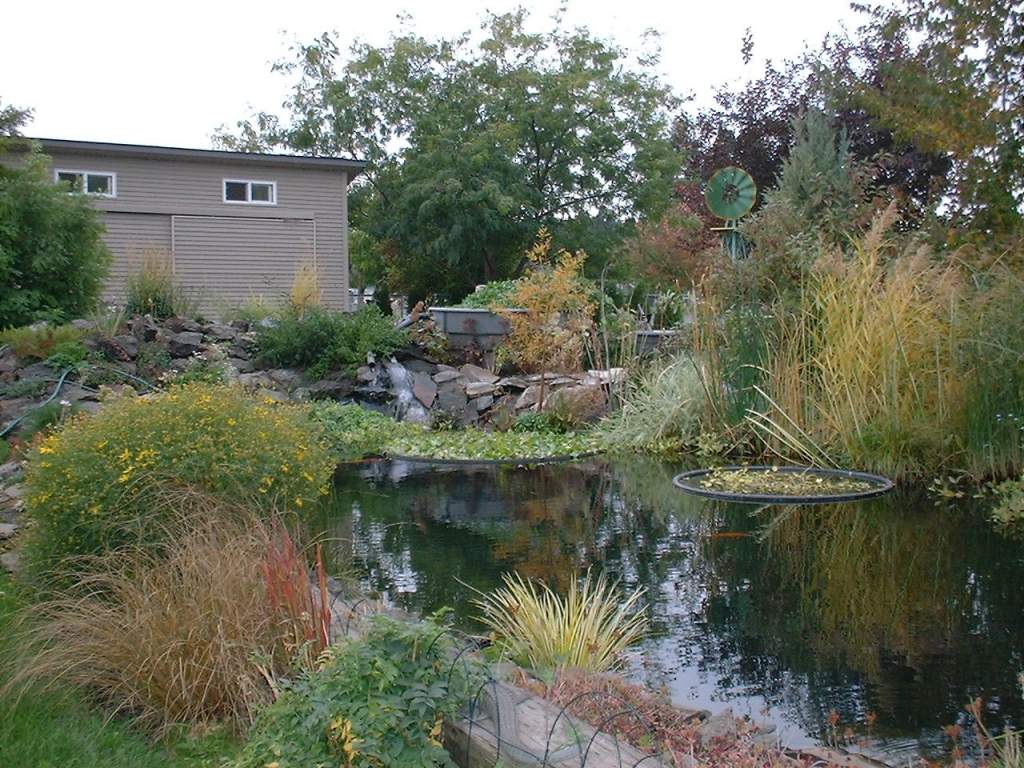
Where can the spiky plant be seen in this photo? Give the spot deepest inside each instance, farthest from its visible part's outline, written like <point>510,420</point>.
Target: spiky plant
<point>586,629</point>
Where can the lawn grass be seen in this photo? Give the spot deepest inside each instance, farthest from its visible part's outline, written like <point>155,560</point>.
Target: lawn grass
<point>58,729</point>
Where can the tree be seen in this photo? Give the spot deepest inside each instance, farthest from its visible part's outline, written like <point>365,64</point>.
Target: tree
<point>13,119</point>
<point>474,143</point>
<point>52,258</point>
<point>959,93</point>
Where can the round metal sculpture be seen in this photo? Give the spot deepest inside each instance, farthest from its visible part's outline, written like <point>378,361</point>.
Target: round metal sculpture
<point>730,194</point>
<point>782,485</point>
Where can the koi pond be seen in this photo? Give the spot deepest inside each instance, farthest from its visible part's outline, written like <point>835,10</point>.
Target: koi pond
<point>869,624</point>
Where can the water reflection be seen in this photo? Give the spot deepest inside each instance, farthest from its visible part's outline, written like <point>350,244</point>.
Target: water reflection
<point>892,608</point>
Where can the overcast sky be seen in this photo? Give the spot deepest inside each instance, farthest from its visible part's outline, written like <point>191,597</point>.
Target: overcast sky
<point>171,72</point>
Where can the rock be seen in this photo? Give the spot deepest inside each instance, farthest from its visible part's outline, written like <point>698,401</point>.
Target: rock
<point>182,324</point>
<point>451,398</point>
<point>9,362</point>
<point>83,324</point>
<point>221,332</point>
<point>15,491</point>
<point>476,389</point>
<point>330,389</point>
<point>271,394</point>
<point>289,378</point>
<point>446,375</point>
<point>529,397</point>
<point>185,343</point>
<point>7,530</point>
<point>241,365</point>
<point>144,328</point>
<point>585,403</point>
<point>513,382</point>
<point>10,469</point>
<point>419,365</point>
<point>483,403</point>
<point>475,373</point>
<point>74,394</point>
<point>9,561</point>
<point>424,388</point>
<point>366,374</point>
<point>256,380</point>
<point>720,728</point>
<point>299,394</point>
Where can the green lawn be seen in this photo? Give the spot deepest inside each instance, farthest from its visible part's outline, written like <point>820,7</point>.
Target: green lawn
<point>58,729</point>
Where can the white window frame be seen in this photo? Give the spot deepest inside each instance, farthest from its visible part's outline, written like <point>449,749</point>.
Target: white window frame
<point>248,192</point>
<point>85,180</point>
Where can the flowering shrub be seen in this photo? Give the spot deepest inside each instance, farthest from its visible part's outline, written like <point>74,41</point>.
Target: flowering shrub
<point>90,484</point>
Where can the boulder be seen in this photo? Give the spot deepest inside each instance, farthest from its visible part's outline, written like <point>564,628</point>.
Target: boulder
<point>9,361</point>
<point>7,530</point>
<point>475,373</point>
<point>144,328</point>
<point>126,346</point>
<point>585,403</point>
<point>483,403</point>
<point>529,397</point>
<point>185,343</point>
<point>9,561</point>
<point>288,378</point>
<point>242,365</point>
<point>451,398</point>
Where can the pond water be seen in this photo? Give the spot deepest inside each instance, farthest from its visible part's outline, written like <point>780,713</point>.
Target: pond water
<point>893,613</point>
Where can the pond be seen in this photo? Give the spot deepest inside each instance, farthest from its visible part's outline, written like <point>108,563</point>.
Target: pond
<point>892,613</point>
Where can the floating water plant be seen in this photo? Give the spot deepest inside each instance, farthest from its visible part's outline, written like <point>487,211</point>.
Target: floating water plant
<point>782,485</point>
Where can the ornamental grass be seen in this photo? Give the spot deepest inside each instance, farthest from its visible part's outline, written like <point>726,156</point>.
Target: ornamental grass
<point>198,634</point>
<point>586,629</point>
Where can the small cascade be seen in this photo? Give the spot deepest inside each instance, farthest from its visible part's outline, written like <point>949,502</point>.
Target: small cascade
<point>407,407</point>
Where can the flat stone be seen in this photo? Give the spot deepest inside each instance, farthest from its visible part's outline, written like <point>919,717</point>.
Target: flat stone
<point>529,398</point>
<point>444,375</point>
<point>451,398</point>
<point>9,362</point>
<point>475,373</point>
<point>185,344</point>
<point>513,382</point>
<point>424,388</point>
<point>255,380</point>
<point>9,561</point>
<point>10,469</point>
<point>483,403</point>
<point>82,324</point>
<point>179,324</point>
<point>476,389</point>
<point>271,394</point>
<point>7,530</point>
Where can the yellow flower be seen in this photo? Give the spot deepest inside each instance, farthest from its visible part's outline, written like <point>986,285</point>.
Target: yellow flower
<point>298,502</point>
<point>45,449</point>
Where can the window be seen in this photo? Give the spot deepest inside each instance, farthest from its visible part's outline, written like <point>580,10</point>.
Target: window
<point>252,192</point>
<point>101,183</point>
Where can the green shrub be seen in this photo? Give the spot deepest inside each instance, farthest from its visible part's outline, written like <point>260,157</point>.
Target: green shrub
<point>52,257</point>
<point>44,417</point>
<point>538,421</point>
<point>90,485</point>
<point>67,354</point>
<point>471,444</point>
<point>494,294</point>
<point>353,431</point>
<point>378,701</point>
<point>38,342</point>
<point>5,450</point>
<point>323,341</point>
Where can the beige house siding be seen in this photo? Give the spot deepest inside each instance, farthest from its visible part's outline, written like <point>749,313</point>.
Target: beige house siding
<point>222,253</point>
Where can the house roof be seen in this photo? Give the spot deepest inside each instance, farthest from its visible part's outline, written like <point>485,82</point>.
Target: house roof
<point>354,167</point>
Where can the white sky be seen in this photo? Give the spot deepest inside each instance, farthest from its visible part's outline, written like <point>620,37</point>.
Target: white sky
<point>170,73</point>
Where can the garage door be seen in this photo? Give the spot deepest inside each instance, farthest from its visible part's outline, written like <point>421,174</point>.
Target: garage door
<point>224,262</point>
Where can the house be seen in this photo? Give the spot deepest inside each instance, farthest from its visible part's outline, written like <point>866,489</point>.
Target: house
<point>234,226</point>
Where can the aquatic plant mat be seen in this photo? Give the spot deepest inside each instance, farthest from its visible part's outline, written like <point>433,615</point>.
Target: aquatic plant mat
<point>782,485</point>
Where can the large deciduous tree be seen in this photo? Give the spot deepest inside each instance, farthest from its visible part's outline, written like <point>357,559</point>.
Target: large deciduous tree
<point>477,141</point>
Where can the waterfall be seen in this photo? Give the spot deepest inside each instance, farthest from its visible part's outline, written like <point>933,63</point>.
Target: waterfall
<point>407,407</point>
